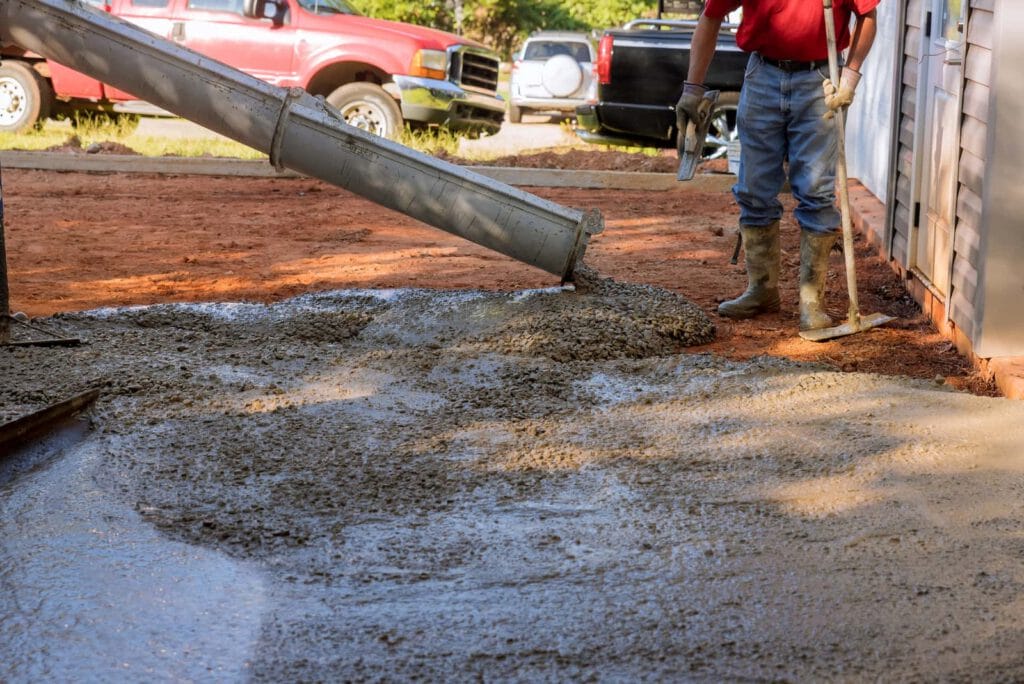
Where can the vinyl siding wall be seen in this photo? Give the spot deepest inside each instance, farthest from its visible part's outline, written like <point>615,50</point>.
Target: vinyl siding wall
<point>974,118</point>
<point>973,140</point>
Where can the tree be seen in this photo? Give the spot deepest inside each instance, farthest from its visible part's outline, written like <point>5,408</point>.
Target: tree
<point>600,15</point>
<point>438,14</point>
<point>502,24</point>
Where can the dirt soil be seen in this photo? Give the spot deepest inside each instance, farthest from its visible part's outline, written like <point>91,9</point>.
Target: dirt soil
<point>79,241</point>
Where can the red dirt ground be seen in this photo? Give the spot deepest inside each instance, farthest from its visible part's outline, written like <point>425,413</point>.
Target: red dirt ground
<point>78,241</point>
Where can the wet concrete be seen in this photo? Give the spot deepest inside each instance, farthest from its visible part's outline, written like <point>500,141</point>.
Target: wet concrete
<point>91,592</point>
<point>451,486</point>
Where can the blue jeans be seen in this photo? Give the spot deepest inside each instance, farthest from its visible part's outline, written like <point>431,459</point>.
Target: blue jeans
<point>780,118</point>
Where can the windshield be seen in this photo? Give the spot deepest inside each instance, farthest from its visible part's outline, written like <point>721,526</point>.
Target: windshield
<point>327,7</point>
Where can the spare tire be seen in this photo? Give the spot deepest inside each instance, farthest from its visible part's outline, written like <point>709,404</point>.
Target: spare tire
<point>562,76</point>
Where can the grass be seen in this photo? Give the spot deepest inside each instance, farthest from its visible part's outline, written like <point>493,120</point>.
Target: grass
<point>431,141</point>
<point>87,131</point>
<point>84,132</point>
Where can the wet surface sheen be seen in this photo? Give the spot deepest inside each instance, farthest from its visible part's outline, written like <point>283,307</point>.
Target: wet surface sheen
<point>91,592</point>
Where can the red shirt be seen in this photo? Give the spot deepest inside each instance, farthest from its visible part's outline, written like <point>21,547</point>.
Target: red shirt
<point>789,29</point>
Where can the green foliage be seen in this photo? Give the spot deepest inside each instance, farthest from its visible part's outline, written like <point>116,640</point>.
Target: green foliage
<point>432,141</point>
<point>439,14</point>
<point>599,15</point>
<point>81,131</point>
<point>503,24</point>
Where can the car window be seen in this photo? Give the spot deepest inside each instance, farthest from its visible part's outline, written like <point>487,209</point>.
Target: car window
<point>546,49</point>
<point>327,7</point>
<point>580,52</point>
<point>217,5</point>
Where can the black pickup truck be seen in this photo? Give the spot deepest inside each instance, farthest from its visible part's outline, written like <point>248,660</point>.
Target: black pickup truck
<point>640,72</point>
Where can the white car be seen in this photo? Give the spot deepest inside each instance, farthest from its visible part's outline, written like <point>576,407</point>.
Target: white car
<point>552,72</point>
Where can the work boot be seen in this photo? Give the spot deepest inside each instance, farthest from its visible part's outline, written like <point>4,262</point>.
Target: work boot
<point>814,251</point>
<point>761,252</point>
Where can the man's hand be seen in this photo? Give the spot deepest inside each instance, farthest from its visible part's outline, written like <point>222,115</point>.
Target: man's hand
<point>687,108</point>
<point>837,98</point>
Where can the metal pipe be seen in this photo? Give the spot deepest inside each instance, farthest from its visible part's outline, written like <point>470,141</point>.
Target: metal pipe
<point>301,132</point>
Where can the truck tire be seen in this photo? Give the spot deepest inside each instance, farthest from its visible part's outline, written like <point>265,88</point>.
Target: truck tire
<point>723,126</point>
<point>515,114</point>
<point>25,97</point>
<point>368,107</point>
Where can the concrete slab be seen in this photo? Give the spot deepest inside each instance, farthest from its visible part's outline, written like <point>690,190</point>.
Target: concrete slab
<point>1009,375</point>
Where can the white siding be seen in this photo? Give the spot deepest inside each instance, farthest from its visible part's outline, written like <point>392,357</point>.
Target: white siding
<point>993,279</point>
<point>869,126</point>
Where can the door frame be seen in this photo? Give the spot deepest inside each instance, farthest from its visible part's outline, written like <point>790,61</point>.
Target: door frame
<point>923,154</point>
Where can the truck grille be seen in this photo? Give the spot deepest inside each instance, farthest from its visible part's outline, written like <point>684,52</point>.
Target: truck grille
<point>475,70</point>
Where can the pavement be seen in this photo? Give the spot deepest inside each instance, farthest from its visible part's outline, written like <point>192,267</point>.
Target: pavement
<point>536,132</point>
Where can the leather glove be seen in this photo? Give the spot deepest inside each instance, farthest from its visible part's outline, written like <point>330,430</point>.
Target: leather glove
<point>837,98</point>
<point>687,106</point>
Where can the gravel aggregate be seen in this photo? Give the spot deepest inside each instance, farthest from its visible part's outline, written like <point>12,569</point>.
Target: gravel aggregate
<point>545,485</point>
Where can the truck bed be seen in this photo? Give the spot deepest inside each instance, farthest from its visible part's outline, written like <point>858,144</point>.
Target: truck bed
<point>636,103</point>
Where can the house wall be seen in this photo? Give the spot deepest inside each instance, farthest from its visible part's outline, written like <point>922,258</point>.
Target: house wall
<point>903,201</point>
<point>998,247</point>
<point>974,130</point>
<point>870,120</point>
<point>959,311</point>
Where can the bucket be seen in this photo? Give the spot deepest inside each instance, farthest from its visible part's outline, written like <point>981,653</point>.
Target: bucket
<point>732,153</point>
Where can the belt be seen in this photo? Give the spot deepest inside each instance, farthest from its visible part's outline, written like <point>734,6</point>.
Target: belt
<point>791,65</point>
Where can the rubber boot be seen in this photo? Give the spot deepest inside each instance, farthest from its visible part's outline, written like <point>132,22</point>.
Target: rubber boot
<point>761,253</point>
<point>814,251</point>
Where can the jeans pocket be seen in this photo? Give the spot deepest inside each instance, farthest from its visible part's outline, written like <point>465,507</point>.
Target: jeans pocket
<point>753,64</point>
<point>823,72</point>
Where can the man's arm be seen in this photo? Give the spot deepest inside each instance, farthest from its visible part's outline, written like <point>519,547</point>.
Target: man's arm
<point>863,38</point>
<point>702,48</point>
<point>860,45</point>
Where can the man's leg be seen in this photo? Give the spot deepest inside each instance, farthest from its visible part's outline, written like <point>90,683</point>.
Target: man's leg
<point>762,131</point>
<point>812,172</point>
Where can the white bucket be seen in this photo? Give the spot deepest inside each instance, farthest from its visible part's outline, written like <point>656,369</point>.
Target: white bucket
<point>732,152</point>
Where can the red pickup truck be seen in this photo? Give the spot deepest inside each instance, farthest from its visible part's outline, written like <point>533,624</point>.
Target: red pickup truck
<point>379,74</point>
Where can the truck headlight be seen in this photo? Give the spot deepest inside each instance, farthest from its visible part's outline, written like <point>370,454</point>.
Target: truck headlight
<point>429,64</point>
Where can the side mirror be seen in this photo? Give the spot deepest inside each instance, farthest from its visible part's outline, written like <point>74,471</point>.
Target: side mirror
<point>261,9</point>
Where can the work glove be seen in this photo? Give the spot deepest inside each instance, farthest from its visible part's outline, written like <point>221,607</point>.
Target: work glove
<point>687,108</point>
<point>837,98</point>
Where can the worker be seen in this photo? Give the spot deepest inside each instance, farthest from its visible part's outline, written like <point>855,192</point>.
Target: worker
<point>785,105</point>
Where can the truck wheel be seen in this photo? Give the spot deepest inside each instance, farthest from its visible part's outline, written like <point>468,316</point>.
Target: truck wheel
<point>515,114</point>
<point>723,126</point>
<point>369,107</point>
<point>25,97</point>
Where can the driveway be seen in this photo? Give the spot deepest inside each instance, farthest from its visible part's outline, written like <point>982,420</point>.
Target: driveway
<point>535,132</point>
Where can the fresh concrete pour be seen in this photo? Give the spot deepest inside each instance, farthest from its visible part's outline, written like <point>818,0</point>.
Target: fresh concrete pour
<point>527,486</point>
